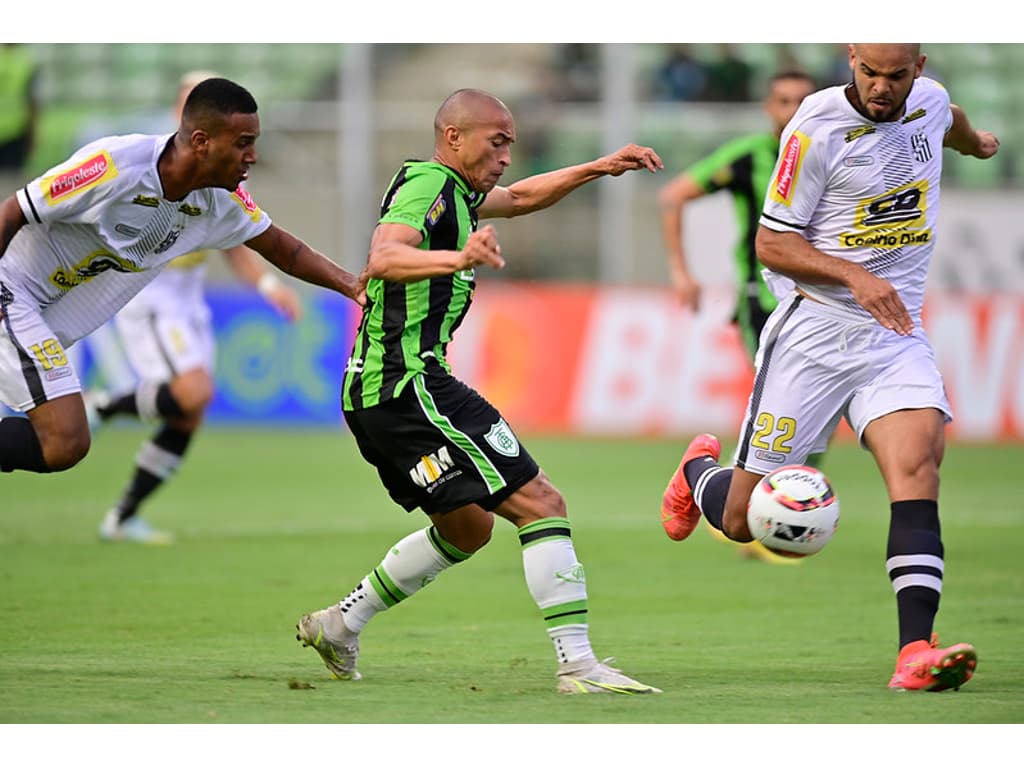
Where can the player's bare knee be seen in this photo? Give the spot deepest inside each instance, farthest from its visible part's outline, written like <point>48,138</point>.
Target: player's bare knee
<point>193,392</point>
<point>549,500</point>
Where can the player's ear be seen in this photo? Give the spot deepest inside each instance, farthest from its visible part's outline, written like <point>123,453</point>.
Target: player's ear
<point>199,140</point>
<point>453,136</point>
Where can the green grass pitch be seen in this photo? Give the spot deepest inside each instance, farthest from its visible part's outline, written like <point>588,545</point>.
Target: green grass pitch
<point>271,524</point>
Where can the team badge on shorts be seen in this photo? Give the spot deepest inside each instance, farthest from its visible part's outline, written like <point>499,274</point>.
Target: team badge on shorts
<point>501,439</point>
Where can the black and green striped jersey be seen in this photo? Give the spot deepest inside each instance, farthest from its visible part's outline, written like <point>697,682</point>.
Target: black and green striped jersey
<point>744,167</point>
<point>405,327</point>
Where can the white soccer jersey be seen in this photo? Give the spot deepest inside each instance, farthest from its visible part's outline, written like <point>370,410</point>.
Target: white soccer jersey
<point>99,229</point>
<point>863,191</point>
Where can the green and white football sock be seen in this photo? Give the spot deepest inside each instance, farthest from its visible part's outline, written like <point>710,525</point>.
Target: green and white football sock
<point>409,565</point>
<point>558,585</point>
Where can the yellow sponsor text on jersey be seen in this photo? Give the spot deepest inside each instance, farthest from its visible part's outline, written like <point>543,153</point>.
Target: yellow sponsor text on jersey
<point>903,208</point>
<point>917,114</point>
<point>885,239</point>
<point>856,133</point>
<point>895,219</point>
<point>790,158</point>
<point>94,170</point>
<point>94,264</point>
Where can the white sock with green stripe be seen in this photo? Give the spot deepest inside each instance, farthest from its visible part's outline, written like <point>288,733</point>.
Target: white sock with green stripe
<point>558,585</point>
<point>409,565</point>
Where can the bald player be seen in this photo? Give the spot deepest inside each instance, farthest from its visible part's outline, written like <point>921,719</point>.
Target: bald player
<point>437,444</point>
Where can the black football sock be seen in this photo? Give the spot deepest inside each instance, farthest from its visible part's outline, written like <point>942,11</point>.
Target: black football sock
<point>710,485</point>
<point>156,461</point>
<point>914,560</point>
<point>148,401</point>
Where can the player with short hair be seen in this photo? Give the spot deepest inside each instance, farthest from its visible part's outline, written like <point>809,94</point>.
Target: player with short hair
<point>851,217</point>
<point>79,241</point>
<point>437,444</point>
<point>166,332</point>
<point>742,166</point>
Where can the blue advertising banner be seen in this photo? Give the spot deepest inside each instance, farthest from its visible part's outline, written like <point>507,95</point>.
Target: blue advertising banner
<point>268,370</point>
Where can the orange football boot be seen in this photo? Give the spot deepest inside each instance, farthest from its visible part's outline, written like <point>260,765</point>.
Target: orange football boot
<point>923,666</point>
<point>679,512</point>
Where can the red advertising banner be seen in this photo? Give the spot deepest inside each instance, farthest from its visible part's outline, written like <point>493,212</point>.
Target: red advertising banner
<point>630,361</point>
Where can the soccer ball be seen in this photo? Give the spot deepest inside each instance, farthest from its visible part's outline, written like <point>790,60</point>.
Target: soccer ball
<point>793,511</point>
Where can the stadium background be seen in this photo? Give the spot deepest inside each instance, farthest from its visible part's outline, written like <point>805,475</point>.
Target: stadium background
<point>579,334</point>
<point>275,521</point>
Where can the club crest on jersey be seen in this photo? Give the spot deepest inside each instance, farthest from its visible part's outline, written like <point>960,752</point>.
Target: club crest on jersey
<point>501,439</point>
<point>241,194</point>
<point>922,149</point>
<point>147,201</point>
<point>790,158</point>
<point>87,174</point>
<point>190,210</point>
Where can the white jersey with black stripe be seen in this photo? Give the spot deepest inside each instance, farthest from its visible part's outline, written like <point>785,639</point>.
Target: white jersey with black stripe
<point>99,229</point>
<point>863,191</point>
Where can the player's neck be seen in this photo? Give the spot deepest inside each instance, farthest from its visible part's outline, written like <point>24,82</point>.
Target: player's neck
<point>177,175</point>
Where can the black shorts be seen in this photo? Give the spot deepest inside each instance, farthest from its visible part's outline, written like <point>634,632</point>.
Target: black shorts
<point>440,446</point>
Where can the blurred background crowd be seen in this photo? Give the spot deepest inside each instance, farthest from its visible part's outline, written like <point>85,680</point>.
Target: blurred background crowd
<point>338,118</point>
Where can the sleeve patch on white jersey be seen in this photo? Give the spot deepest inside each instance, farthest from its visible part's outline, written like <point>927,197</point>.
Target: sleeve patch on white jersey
<point>89,173</point>
<point>791,157</point>
<point>242,196</point>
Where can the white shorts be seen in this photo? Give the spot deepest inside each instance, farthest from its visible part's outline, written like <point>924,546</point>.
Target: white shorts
<point>34,366</point>
<point>161,344</point>
<point>816,365</point>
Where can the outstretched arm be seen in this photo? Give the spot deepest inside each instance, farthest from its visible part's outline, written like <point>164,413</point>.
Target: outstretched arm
<point>966,140</point>
<point>544,189</point>
<point>290,254</point>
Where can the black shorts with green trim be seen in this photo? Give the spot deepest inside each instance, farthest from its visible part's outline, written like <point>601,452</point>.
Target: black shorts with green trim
<point>440,446</point>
